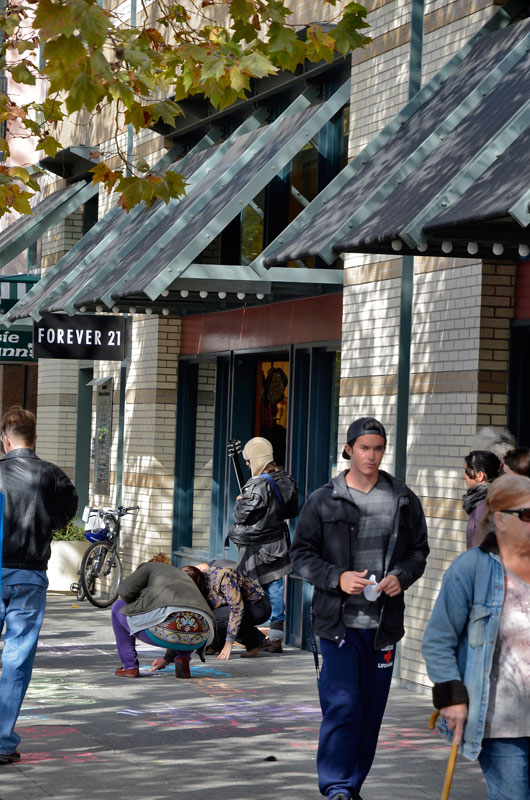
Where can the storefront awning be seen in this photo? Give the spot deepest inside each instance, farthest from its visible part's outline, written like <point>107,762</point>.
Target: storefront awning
<point>25,230</point>
<point>147,260</point>
<point>449,175</point>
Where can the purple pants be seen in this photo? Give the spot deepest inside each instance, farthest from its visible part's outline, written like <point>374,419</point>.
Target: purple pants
<point>125,640</point>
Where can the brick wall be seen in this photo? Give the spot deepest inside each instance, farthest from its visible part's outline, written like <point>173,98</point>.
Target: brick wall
<point>457,352</point>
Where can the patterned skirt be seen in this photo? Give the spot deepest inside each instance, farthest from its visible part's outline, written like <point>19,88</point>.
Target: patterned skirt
<point>182,630</point>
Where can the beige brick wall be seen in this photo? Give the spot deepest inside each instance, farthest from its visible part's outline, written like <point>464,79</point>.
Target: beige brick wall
<point>459,335</point>
<point>149,452</point>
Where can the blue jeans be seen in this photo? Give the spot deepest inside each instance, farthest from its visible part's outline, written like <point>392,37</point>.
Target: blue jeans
<point>504,763</point>
<point>22,609</point>
<point>353,688</point>
<point>276,593</point>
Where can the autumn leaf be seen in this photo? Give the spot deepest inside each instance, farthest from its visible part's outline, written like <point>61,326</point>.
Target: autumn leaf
<point>103,174</point>
<point>22,74</point>
<point>68,50</point>
<point>49,145</point>
<point>84,92</point>
<point>53,19</point>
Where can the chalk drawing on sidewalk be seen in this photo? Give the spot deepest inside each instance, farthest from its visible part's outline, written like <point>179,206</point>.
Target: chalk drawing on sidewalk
<point>198,671</point>
<point>61,735</point>
<point>57,690</point>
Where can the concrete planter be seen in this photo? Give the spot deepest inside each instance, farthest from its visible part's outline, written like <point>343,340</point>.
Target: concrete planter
<point>64,564</point>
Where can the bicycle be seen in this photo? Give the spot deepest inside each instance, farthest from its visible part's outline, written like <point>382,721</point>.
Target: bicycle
<point>100,571</point>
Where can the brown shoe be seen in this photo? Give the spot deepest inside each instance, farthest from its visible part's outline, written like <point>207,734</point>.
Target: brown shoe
<point>182,667</point>
<point>251,653</point>
<point>274,646</point>
<point>128,673</point>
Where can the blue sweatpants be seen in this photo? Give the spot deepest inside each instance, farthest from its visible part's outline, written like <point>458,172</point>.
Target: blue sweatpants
<point>353,688</point>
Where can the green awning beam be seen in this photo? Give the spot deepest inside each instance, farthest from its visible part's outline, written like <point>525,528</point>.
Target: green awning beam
<point>26,230</point>
<point>280,159</point>
<point>102,224</point>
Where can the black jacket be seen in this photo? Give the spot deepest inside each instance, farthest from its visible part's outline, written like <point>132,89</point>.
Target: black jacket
<point>259,519</point>
<point>324,546</point>
<point>39,499</point>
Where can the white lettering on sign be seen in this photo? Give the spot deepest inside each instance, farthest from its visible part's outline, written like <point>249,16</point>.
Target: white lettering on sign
<point>12,338</point>
<point>63,336</point>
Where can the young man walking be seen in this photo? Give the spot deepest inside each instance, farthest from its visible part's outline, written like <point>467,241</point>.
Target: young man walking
<point>361,540</point>
<point>39,499</point>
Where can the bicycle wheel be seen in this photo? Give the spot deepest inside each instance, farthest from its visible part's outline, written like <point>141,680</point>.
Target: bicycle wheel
<point>101,574</point>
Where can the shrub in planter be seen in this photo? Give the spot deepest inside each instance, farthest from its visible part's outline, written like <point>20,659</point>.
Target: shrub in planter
<point>68,546</point>
<point>70,533</point>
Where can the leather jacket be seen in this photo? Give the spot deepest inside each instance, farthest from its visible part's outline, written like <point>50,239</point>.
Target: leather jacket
<point>324,545</point>
<point>259,519</point>
<point>39,499</point>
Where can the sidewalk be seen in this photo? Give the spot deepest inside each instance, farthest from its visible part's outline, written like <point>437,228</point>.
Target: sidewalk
<point>239,730</point>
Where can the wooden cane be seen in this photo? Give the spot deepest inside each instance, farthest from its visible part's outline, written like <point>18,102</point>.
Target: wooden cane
<point>452,759</point>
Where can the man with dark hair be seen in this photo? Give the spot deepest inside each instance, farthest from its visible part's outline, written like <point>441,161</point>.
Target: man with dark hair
<point>39,498</point>
<point>361,540</point>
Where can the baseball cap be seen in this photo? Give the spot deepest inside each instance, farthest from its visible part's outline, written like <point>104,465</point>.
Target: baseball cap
<point>362,427</point>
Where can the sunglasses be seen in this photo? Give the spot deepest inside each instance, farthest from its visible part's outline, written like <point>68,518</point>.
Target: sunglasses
<point>522,513</point>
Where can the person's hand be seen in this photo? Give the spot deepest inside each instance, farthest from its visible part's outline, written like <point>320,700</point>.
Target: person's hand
<point>390,586</point>
<point>354,582</point>
<point>224,655</point>
<point>160,663</point>
<point>455,716</point>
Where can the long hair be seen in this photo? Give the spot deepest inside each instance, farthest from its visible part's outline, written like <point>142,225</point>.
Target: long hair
<point>162,557</point>
<point>507,492</point>
<point>198,578</point>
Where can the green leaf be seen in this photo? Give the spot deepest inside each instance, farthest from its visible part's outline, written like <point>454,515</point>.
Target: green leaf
<point>52,19</point>
<point>66,50</point>
<point>49,145</point>
<point>23,47</point>
<point>99,66</point>
<point>175,183</point>
<point>241,10</point>
<point>139,116</point>
<point>281,38</point>
<point>94,24</point>
<point>290,60</point>
<point>119,91</point>
<point>238,82</point>
<point>51,110</point>
<point>21,203</point>
<point>142,165</point>
<point>10,24</point>
<point>22,74</point>
<point>4,146</point>
<point>133,190</point>
<point>346,32</point>
<point>20,174</point>
<point>136,58</point>
<point>166,110</point>
<point>84,92</point>
<point>213,68</point>
<point>257,65</point>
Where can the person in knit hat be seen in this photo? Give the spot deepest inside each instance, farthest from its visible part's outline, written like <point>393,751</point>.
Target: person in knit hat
<point>261,533</point>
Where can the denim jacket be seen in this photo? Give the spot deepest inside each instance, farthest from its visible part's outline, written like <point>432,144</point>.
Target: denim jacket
<point>460,639</point>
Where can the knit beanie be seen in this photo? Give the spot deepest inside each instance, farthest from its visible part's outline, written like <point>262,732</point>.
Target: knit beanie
<point>259,452</point>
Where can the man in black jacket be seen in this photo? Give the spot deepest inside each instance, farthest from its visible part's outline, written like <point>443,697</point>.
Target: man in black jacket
<point>361,540</point>
<point>38,499</point>
<point>261,533</point>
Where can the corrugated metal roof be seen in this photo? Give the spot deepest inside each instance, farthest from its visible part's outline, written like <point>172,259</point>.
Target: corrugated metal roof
<point>448,156</point>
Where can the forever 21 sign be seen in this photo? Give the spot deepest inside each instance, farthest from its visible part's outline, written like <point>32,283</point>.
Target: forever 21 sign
<point>90,336</point>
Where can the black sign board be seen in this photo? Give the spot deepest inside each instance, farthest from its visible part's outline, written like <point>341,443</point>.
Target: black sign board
<point>101,338</point>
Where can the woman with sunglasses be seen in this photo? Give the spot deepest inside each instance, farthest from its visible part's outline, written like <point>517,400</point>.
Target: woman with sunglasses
<point>481,467</point>
<point>477,644</point>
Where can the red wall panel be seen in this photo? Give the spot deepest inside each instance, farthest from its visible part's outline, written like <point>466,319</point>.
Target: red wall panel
<point>313,319</point>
